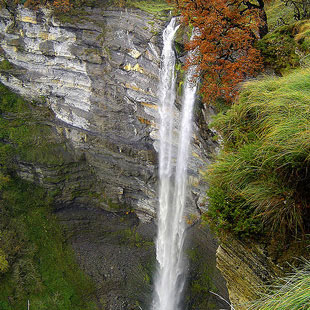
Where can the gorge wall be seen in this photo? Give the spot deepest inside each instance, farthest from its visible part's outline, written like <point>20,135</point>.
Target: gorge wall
<point>97,75</point>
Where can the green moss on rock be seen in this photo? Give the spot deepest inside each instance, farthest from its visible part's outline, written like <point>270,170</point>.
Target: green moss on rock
<point>41,267</point>
<point>278,50</point>
<point>25,133</point>
<point>287,47</point>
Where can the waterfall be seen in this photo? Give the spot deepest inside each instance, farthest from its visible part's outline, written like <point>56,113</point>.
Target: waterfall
<point>169,281</point>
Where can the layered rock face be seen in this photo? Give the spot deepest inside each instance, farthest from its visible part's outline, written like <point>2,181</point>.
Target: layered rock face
<point>246,269</point>
<point>100,77</point>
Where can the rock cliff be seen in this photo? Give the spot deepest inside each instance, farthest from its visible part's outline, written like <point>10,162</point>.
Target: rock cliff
<point>98,75</point>
<point>246,269</point>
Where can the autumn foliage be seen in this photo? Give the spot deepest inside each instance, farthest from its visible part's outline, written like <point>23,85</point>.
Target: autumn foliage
<point>224,44</point>
<point>62,5</point>
<point>58,5</point>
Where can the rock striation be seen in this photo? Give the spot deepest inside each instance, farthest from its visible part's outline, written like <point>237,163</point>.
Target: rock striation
<point>99,75</point>
<point>246,269</point>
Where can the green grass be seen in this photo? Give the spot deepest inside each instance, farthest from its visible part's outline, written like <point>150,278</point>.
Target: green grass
<point>155,7</point>
<point>289,293</point>
<point>260,181</point>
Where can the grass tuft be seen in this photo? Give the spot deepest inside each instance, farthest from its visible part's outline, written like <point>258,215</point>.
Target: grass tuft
<point>289,293</point>
<point>264,166</point>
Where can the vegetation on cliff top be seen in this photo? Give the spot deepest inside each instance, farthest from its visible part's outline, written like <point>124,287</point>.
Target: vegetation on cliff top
<point>260,181</point>
<point>226,31</point>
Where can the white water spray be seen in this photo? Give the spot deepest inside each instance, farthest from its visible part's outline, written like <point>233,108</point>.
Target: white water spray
<point>170,280</point>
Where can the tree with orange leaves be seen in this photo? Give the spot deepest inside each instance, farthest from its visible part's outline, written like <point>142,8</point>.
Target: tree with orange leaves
<point>58,5</point>
<point>62,5</point>
<point>224,44</point>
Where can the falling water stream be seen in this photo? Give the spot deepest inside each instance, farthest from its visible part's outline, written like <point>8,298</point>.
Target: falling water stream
<point>170,278</point>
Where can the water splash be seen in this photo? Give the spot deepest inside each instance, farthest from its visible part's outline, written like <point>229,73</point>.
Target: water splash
<point>170,279</point>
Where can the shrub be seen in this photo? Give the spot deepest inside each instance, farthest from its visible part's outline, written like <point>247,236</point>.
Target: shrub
<point>286,47</point>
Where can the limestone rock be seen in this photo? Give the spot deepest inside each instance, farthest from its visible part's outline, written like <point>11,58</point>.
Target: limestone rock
<point>99,76</point>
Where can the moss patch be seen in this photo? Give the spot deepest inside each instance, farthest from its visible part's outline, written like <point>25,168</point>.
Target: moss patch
<point>41,267</point>
<point>24,132</point>
<point>154,7</point>
<point>35,262</point>
<point>286,46</point>
<point>5,65</point>
<point>200,282</point>
<point>278,49</point>
<point>279,14</point>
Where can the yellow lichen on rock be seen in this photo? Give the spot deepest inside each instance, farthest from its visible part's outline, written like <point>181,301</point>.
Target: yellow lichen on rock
<point>136,68</point>
<point>149,105</point>
<point>134,53</point>
<point>46,36</point>
<point>135,88</point>
<point>28,19</point>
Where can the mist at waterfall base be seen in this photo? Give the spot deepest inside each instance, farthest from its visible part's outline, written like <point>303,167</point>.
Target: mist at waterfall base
<point>173,161</point>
